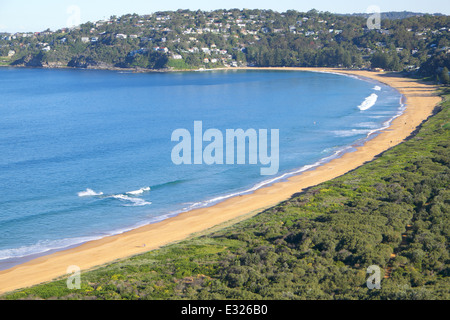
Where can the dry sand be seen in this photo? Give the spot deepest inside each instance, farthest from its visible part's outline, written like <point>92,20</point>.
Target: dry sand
<point>420,102</point>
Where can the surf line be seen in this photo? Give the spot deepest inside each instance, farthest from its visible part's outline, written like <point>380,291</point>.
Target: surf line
<point>235,147</point>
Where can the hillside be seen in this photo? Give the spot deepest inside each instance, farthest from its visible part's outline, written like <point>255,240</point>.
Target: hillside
<point>394,15</point>
<point>186,39</point>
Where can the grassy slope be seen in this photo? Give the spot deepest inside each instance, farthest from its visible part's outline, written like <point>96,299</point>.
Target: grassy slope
<point>393,213</point>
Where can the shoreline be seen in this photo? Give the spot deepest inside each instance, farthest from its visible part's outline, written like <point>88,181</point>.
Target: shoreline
<point>420,103</point>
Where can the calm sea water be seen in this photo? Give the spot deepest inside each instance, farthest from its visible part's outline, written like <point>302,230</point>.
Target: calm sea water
<point>63,132</point>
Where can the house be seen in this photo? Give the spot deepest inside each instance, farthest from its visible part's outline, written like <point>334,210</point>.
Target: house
<point>84,39</point>
<point>121,36</point>
<point>177,57</point>
<point>161,49</point>
<point>140,51</point>
<point>11,53</point>
<point>100,23</point>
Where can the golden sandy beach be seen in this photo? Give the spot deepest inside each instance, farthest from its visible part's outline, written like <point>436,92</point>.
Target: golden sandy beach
<point>420,102</point>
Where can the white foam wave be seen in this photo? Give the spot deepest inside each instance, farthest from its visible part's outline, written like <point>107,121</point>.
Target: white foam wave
<point>377,88</point>
<point>352,132</point>
<point>89,193</point>
<point>369,102</point>
<point>135,202</point>
<point>369,125</point>
<point>130,197</point>
<point>337,73</point>
<point>140,191</point>
<point>42,246</point>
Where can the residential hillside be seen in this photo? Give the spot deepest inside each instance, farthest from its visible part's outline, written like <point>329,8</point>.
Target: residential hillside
<point>186,39</point>
<point>396,14</point>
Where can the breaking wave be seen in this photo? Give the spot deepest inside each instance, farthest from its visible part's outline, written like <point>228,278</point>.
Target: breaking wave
<point>130,198</point>
<point>140,191</point>
<point>369,102</point>
<point>351,132</point>
<point>89,193</point>
<point>131,201</point>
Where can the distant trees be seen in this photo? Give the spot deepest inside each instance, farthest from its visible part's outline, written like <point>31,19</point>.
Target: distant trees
<point>147,60</point>
<point>444,77</point>
<point>385,61</point>
<point>433,66</point>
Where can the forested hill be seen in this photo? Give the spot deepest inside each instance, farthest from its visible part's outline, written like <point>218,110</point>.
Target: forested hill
<point>396,14</point>
<point>186,39</point>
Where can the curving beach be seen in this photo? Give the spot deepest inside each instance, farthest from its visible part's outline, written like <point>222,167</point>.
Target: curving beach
<point>420,103</point>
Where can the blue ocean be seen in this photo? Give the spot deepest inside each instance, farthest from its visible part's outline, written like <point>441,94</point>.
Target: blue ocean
<point>85,154</point>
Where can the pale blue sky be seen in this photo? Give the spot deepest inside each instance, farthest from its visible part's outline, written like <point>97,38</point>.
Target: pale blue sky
<point>28,15</point>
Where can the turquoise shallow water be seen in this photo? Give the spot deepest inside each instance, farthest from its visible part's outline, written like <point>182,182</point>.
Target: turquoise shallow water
<point>86,154</point>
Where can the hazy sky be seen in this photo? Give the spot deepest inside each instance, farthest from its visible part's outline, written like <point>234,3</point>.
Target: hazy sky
<point>28,15</point>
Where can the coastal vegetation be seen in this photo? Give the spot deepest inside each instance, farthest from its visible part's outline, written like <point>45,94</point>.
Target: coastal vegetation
<point>393,212</point>
<point>184,39</point>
